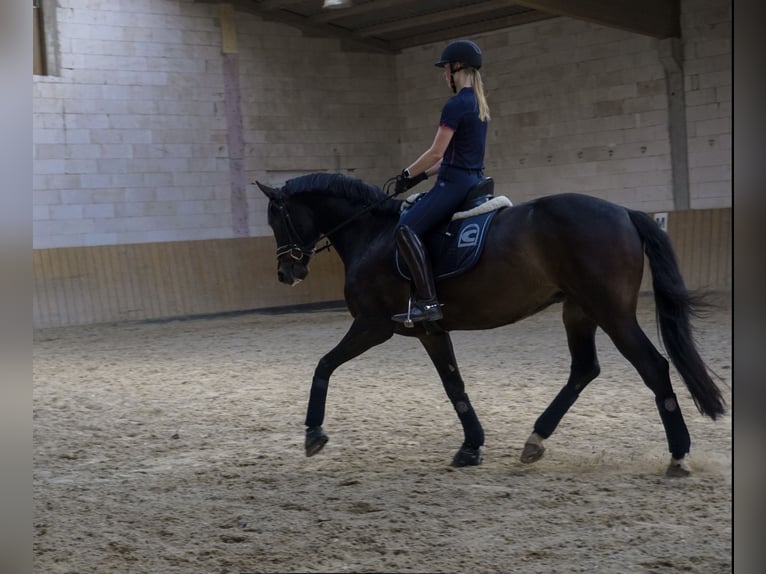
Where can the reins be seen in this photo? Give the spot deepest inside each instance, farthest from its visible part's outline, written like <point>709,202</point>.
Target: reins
<point>293,248</point>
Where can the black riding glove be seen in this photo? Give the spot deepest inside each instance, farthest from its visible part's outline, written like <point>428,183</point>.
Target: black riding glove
<point>404,182</point>
<point>413,181</point>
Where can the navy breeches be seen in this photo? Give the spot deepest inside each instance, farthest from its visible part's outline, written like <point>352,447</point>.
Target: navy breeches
<point>437,206</point>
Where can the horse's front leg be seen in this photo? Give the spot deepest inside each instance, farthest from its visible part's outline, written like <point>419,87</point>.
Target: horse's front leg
<point>439,348</point>
<point>362,335</point>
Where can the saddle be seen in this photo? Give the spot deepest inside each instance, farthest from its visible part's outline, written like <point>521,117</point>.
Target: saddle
<point>480,193</point>
<point>456,246</point>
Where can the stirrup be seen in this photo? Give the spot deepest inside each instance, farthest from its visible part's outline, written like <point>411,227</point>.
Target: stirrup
<point>419,312</point>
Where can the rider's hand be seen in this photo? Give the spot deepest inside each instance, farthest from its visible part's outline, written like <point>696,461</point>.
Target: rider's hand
<point>405,182</point>
<point>401,184</point>
<point>413,181</point>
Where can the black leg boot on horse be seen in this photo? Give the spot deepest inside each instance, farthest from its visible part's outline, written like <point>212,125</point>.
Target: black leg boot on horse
<point>425,306</point>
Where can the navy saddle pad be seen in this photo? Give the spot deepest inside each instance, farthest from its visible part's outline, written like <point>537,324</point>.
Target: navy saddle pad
<point>454,249</point>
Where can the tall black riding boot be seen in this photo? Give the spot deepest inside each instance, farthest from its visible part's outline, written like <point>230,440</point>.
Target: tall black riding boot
<point>425,307</point>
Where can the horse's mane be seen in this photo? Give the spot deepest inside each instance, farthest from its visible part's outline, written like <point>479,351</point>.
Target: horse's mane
<point>354,190</point>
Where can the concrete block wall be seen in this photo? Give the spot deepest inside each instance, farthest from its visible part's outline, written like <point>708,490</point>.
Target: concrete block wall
<point>130,134</point>
<point>578,107</point>
<point>309,106</point>
<point>707,29</point>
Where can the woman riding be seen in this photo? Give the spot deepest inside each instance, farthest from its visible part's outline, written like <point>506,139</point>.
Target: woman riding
<point>457,155</point>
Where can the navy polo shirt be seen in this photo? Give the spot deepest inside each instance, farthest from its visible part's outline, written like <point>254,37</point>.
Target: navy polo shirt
<point>461,114</point>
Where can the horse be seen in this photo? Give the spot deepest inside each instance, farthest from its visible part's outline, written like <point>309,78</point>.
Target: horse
<point>578,250</point>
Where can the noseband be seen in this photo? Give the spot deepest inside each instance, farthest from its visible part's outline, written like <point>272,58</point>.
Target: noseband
<point>296,249</point>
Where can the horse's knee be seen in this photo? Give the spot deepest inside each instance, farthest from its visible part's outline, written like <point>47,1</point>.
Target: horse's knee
<point>579,377</point>
<point>323,369</point>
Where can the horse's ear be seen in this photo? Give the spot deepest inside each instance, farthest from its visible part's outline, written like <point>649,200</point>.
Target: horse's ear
<point>270,192</point>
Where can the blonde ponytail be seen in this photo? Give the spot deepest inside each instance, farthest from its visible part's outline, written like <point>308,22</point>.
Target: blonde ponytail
<point>478,88</point>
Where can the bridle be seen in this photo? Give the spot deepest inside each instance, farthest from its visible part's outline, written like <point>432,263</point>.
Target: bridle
<point>296,249</point>
<point>299,249</point>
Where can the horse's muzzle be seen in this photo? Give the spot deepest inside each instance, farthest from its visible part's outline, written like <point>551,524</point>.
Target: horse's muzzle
<point>292,273</point>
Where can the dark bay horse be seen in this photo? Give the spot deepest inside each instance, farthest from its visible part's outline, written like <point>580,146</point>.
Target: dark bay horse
<point>581,251</point>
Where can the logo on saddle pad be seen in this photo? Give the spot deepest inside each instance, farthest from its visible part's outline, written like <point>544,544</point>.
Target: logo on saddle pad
<point>469,235</point>
<point>455,248</point>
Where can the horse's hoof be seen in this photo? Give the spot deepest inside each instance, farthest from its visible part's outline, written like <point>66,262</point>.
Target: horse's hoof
<point>467,456</point>
<point>678,468</point>
<point>315,440</point>
<point>532,452</point>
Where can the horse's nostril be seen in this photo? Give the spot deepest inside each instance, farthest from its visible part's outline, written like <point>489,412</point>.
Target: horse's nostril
<point>281,276</point>
<point>300,272</point>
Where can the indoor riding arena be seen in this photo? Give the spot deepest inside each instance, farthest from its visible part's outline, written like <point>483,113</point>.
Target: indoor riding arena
<point>172,369</point>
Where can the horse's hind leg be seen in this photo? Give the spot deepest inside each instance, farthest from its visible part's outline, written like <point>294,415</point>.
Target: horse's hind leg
<point>581,338</point>
<point>654,370</point>
<point>439,348</point>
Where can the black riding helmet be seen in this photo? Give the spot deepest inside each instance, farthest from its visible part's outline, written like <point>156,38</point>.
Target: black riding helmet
<point>463,51</point>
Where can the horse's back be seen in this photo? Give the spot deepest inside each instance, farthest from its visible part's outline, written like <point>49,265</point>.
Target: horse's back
<point>576,209</point>
<point>570,241</point>
<point>568,217</point>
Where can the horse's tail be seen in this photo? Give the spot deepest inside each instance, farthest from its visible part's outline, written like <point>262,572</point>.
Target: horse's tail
<point>675,304</point>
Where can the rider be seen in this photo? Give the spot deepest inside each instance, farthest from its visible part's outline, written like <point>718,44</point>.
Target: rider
<point>457,154</point>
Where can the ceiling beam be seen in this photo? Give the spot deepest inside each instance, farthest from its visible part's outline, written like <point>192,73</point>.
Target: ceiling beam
<point>323,30</point>
<point>406,23</point>
<point>471,29</point>
<point>357,10</point>
<point>277,4</point>
<point>658,18</point>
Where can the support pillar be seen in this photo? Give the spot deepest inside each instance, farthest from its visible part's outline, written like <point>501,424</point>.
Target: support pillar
<point>671,56</point>
<point>234,129</point>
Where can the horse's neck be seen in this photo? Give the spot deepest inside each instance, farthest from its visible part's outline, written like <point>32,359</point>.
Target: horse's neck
<point>351,232</point>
